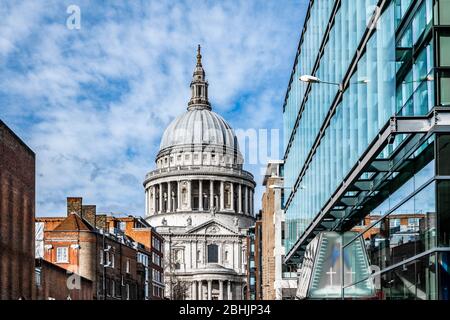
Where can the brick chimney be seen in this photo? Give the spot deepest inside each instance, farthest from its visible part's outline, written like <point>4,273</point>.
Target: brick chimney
<point>101,222</point>
<point>74,205</point>
<point>88,213</point>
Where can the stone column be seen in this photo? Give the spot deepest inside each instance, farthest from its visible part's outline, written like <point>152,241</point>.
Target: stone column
<point>211,194</point>
<point>250,199</point>
<point>169,197</point>
<point>178,195</point>
<point>252,211</point>
<point>229,297</point>
<point>245,199</point>
<point>220,289</point>
<point>209,290</point>
<point>232,196</point>
<point>160,198</point>
<point>200,195</point>
<point>200,290</point>
<point>154,199</point>
<point>189,205</point>
<point>240,199</point>
<point>194,290</point>
<point>146,202</point>
<point>222,194</point>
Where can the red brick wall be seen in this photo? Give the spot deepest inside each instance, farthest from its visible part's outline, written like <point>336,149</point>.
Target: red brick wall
<point>17,207</point>
<point>53,284</point>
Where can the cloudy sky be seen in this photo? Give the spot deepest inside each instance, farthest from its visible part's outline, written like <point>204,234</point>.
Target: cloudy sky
<point>93,102</point>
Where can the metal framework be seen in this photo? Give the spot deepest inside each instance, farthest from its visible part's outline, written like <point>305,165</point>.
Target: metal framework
<point>363,179</point>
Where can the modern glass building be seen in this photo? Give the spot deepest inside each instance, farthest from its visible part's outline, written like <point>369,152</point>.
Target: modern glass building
<point>367,139</point>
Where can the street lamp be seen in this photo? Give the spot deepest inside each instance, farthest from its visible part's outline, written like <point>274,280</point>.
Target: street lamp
<point>312,79</point>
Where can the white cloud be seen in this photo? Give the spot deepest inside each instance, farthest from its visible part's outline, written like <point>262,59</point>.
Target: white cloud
<point>93,102</point>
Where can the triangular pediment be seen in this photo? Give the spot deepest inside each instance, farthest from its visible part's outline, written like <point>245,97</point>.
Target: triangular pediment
<point>213,227</point>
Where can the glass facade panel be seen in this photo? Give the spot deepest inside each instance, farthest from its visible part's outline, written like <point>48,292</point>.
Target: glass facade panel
<point>366,106</point>
<point>444,87</point>
<point>402,70</point>
<point>443,271</point>
<point>414,281</point>
<point>443,17</point>
<point>443,154</point>
<point>443,208</point>
<point>444,43</point>
<point>390,243</point>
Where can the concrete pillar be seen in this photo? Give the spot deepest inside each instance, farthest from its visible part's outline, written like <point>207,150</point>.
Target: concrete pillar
<point>222,193</point>
<point>229,297</point>
<point>209,290</point>
<point>240,199</point>
<point>211,194</point>
<point>220,289</point>
<point>160,198</point>
<point>200,195</point>
<point>169,197</point>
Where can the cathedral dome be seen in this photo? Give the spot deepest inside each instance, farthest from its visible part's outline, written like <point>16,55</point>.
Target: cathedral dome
<point>199,126</point>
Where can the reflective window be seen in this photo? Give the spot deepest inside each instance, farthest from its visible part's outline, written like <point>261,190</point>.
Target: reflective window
<point>413,281</point>
<point>395,238</point>
<point>443,16</point>
<point>444,49</point>
<point>443,191</point>
<point>443,154</point>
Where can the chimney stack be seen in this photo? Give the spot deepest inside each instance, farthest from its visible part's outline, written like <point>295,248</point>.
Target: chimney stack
<point>74,205</point>
<point>89,213</point>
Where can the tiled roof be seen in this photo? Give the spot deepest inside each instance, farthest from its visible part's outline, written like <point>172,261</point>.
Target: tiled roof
<point>74,222</point>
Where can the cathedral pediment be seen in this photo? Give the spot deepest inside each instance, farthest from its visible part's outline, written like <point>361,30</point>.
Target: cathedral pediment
<point>213,227</point>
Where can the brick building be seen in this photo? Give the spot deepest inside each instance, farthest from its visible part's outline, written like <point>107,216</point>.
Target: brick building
<point>157,267</point>
<point>17,207</point>
<point>56,283</point>
<point>149,241</point>
<point>101,248</point>
<point>278,280</point>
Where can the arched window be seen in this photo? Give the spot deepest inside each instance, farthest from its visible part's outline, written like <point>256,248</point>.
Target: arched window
<point>226,256</point>
<point>213,253</point>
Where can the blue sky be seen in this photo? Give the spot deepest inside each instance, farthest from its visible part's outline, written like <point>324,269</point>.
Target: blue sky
<point>93,102</point>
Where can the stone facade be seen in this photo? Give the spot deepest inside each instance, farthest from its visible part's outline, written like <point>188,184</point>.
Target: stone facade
<point>200,200</point>
<point>17,206</point>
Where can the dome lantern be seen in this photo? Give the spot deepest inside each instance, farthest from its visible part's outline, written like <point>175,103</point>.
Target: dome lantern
<point>199,86</point>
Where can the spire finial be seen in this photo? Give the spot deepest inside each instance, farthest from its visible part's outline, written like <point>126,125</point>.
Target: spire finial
<point>199,56</point>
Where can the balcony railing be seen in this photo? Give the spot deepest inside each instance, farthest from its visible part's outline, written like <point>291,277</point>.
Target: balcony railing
<point>234,170</point>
